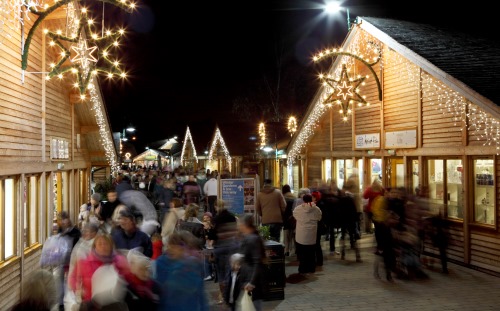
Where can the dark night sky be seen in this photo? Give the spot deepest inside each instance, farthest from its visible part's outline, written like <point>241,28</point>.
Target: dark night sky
<point>189,60</point>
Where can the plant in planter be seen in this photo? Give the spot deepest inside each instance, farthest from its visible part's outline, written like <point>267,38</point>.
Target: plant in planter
<point>264,232</point>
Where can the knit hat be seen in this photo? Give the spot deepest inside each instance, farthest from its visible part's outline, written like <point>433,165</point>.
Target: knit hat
<point>208,214</point>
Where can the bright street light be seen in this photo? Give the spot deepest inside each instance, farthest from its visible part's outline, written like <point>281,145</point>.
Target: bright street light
<point>267,149</point>
<point>335,7</point>
<point>332,7</point>
<point>130,129</point>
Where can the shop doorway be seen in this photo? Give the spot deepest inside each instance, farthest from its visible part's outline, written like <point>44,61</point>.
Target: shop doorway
<point>396,172</point>
<point>374,170</point>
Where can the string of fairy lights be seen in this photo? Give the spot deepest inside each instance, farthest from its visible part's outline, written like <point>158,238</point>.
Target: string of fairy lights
<point>104,130</point>
<point>13,13</point>
<point>338,87</point>
<point>189,138</point>
<point>481,125</point>
<point>82,39</point>
<point>218,140</point>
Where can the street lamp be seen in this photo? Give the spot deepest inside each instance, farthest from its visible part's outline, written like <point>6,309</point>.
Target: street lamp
<point>334,7</point>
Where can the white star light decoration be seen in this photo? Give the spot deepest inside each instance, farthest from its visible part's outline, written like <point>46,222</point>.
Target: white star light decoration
<point>347,94</point>
<point>84,54</point>
<point>344,90</point>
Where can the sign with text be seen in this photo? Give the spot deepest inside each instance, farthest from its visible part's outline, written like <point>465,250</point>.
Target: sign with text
<point>368,141</point>
<point>238,194</point>
<point>401,139</point>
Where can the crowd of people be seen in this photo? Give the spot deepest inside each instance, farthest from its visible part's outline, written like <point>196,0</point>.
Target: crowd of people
<point>108,260</point>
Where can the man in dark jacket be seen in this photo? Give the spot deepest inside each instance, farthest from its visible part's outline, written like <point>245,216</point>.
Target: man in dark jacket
<point>123,185</point>
<point>127,235</point>
<point>109,206</point>
<point>270,206</point>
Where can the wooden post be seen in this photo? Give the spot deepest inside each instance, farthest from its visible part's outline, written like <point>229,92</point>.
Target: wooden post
<point>419,110</point>
<point>44,89</point>
<point>467,186</point>
<point>42,231</point>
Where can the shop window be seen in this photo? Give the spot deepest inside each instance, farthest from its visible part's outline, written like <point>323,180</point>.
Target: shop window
<point>376,169</point>
<point>446,186</point>
<point>484,191</point>
<point>31,211</point>
<point>415,180</point>
<point>8,218</point>
<point>344,168</point>
<point>327,170</point>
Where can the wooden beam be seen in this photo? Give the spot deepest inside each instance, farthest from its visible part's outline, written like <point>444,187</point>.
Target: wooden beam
<point>99,163</point>
<point>86,129</point>
<point>59,13</point>
<point>97,153</point>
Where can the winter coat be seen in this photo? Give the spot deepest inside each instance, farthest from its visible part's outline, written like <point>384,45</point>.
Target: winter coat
<point>182,286</point>
<point>288,220</point>
<point>307,216</point>
<point>135,240</point>
<point>252,268</point>
<point>170,222</point>
<point>270,205</point>
<point>85,268</point>
<point>370,195</point>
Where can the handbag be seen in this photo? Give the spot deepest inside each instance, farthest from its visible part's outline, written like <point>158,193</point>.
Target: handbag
<point>245,302</point>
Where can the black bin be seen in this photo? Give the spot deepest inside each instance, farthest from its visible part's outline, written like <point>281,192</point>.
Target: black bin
<point>275,271</point>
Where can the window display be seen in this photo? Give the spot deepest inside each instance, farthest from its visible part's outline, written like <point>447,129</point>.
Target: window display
<point>446,186</point>
<point>484,191</point>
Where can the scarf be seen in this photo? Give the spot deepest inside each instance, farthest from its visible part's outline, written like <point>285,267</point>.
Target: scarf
<point>104,259</point>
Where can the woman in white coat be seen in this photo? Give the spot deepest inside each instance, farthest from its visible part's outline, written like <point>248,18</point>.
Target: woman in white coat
<point>307,215</point>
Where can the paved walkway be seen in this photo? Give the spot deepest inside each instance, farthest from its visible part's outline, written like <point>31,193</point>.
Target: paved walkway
<point>347,285</point>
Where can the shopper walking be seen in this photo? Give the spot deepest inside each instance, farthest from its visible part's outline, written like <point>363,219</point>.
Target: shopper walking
<point>270,206</point>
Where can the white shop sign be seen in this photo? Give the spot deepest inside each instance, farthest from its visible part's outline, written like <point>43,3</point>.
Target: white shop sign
<point>401,139</point>
<point>367,141</point>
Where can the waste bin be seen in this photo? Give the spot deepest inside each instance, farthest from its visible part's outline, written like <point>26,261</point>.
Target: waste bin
<point>275,271</point>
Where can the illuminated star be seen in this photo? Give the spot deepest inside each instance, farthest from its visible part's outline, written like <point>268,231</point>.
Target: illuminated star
<point>83,53</point>
<point>85,63</point>
<point>344,90</point>
<point>348,91</point>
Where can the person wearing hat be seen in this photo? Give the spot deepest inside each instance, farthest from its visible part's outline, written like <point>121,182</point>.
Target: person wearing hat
<point>127,235</point>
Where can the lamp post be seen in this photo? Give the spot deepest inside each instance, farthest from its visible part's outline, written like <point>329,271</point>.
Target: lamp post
<point>124,138</point>
<point>334,7</point>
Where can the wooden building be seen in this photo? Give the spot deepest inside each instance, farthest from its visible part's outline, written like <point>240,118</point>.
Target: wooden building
<point>152,157</point>
<point>51,139</point>
<point>427,116</point>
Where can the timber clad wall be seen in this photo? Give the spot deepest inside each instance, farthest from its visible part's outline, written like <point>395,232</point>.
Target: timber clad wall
<point>320,142</point>
<point>471,244</point>
<point>367,118</point>
<point>342,132</point>
<point>20,113</point>
<point>400,100</point>
<point>438,129</point>
<point>21,147</point>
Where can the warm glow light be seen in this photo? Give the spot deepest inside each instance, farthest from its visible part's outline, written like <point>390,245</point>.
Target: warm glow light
<point>187,138</point>
<point>292,125</point>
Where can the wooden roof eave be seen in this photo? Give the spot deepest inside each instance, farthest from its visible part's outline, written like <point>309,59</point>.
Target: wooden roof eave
<point>454,84</point>
<point>350,36</point>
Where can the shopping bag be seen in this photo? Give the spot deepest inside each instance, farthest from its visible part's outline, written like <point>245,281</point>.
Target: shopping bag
<point>56,251</point>
<point>108,286</point>
<point>244,302</point>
